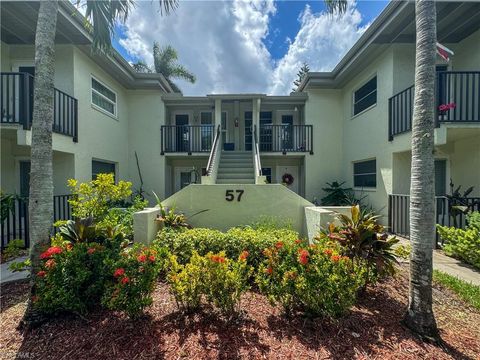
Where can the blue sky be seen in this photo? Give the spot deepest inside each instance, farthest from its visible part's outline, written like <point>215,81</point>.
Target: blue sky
<point>245,46</point>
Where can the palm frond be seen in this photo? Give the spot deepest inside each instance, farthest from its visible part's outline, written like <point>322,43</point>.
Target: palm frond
<point>167,6</point>
<point>179,71</point>
<point>141,67</point>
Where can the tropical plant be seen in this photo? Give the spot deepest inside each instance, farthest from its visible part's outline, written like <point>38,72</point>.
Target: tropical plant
<point>302,72</point>
<point>458,202</point>
<point>104,16</point>
<point>463,244</point>
<point>7,203</point>
<point>362,238</point>
<point>165,63</point>
<point>337,195</point>
<point>317,279</point>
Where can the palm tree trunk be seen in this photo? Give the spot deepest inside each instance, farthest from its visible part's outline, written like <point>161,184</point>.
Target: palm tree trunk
<point>41,173</point>
<point>419,316</point>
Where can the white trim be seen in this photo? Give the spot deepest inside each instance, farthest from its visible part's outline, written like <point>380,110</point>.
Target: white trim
<point>17,63</point>
<point>97,107</point>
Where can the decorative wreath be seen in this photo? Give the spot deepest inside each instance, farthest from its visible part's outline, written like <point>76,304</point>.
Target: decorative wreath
<point>287,179</point>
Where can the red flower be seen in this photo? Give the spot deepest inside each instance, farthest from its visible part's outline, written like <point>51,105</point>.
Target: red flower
<point>34,298</point>
<point>243,256</point>
<point>335,258</point>
<point>41,273</point>
<point>119,272</point>
<point>328,252</point>
<point>279,245</point>
<point>90,251</point>
<point>303,256</point>
<point>51,251</point>
<point>345,258</point>
<point>125,280</point>
<point>69,246</point>
<point>142,258</point>
<point>298,241</point>
<point>218,259</point>
<point>269,270</point>
<point>151,258</point>
<point>50,263</point>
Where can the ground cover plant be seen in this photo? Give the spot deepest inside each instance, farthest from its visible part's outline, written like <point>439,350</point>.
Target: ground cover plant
<point>466,291</point>
<point>463,243</point>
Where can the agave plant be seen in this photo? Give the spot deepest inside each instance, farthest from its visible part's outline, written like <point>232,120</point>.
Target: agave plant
<point>363,239</point>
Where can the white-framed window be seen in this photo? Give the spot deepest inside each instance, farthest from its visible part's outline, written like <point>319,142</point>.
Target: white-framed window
<point>365,174</point>
<point>365,96</point>
<point>102,167</point>
<point>104,98</point>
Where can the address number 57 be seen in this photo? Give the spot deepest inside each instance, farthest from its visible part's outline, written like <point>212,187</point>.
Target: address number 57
<point>230,195</point>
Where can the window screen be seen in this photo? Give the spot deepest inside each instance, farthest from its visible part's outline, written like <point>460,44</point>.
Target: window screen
<point>365,174</point>
<point>365,97</point>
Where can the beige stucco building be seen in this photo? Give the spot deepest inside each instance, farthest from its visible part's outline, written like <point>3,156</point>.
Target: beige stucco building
<point>351,124</point>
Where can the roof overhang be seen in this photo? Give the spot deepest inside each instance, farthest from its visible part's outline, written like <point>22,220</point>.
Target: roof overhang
<point>18,26</point>
<point>178,99</point>
<point>456,20</point>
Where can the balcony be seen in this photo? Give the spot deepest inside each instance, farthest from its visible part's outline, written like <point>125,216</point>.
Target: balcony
<point>16,104</point>
<point>272,138</point>
<point>186,138</point>
<point>286,138</point>
<point>458,88</point>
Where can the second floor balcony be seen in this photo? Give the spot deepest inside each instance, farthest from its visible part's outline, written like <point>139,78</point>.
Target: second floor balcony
<point>271,138</point>
<point>16,105</point>
<point>457,101</point>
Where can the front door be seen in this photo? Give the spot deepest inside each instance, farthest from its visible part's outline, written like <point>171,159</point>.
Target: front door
<point>290,170</point>
<point>287,132</point>
<point>182,132</point>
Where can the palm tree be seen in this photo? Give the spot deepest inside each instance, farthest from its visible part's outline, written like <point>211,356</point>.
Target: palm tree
<point>165,63</point>
<point>104,15</point>
<point>419,316</point>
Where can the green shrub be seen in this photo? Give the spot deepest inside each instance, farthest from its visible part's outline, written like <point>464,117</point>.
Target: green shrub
<point>132,280</point>
<point>463,243</point>
<point>72,279</point>
<point>186,284</point>
<point>220,280</point>
<point>122,218</point>
<point>183,243</point>
<point>14,249</point>
<point>225,281</point>
<point>316,280</point>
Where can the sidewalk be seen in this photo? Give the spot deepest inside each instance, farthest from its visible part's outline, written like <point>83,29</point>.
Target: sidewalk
<point>7,275</point>
<point>450,265</point>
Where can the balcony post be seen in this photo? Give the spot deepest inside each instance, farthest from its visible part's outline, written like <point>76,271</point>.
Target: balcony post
<point>25,101</point>
<point>162,150</point>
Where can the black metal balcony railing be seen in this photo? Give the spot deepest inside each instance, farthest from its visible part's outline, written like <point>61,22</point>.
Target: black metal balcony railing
<point>16,105</point>
<point>15,226</point>
<point>286,138</point>
<point>461,89</point>
<point>399,213</point>
<point>186,138</point>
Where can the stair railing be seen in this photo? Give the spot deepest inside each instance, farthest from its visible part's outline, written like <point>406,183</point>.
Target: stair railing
<point>213,160</point>
<point>259,179</point>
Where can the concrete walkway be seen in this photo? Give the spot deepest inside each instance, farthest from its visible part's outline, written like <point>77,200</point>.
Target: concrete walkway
<point>6,275</point>
<point>455,268</point>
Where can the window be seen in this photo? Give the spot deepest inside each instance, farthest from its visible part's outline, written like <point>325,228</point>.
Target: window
<point>365,97</point>
<point>267,172</point>
<point>101,167</point>
<point>104,98</point>
<point>365,174</point>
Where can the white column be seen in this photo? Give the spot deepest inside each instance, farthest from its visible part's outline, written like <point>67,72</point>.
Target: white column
<point>217,120</point>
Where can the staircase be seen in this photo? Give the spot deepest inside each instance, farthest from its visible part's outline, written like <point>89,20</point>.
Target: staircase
<point>236,167</point>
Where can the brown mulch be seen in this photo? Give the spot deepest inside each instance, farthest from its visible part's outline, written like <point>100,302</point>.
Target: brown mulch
<point>371,330</point>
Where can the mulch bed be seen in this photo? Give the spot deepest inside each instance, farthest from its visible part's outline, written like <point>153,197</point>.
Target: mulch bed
<point>371,330</point>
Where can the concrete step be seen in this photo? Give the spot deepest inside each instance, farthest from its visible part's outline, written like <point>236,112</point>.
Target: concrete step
<point>235,163</point>
<point>235,175</point>
<point>233,169</point>
<point>235,181</point>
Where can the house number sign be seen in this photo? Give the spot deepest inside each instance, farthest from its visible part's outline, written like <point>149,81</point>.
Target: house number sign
<point>230,195</point>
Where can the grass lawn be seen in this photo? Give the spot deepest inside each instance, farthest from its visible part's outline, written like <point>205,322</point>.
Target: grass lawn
<point>371,330</point>
<point>466,291</point>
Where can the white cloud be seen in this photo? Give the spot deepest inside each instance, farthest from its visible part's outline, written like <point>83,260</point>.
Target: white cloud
<point>321,42</point>
<point>223,43</point>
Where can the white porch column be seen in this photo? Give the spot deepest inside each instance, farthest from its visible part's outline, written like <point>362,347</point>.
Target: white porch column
<point>218,113</point>
<point>256,113</point>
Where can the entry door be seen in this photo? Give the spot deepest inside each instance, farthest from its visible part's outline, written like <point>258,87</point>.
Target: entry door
<point>287,132</point>
<point>292,170</point>
<point>182,132</point>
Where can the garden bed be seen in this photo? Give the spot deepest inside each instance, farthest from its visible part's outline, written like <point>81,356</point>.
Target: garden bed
<point>371,330</point>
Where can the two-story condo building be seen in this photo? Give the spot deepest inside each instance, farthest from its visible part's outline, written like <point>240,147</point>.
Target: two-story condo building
<point>351,124</point>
